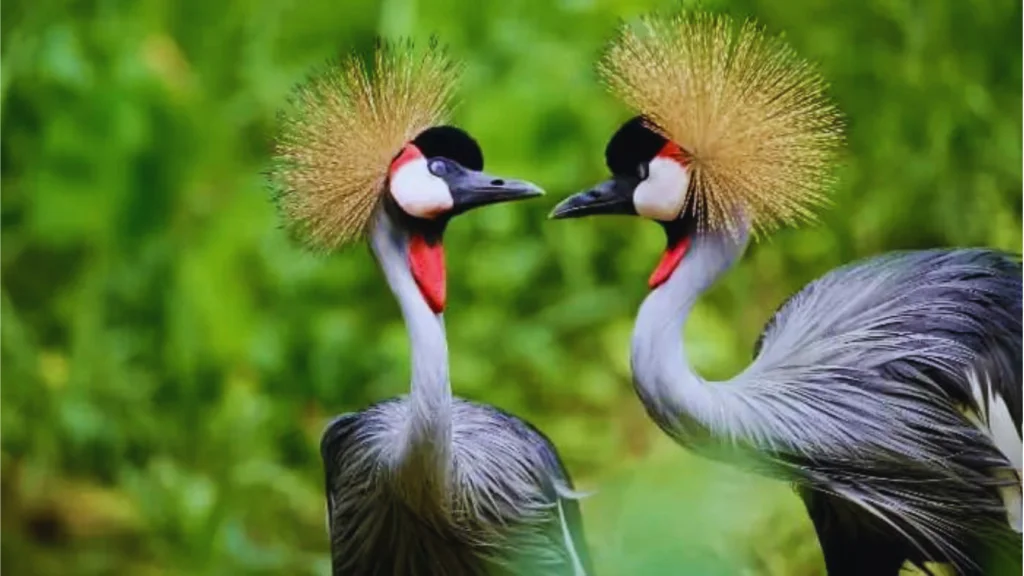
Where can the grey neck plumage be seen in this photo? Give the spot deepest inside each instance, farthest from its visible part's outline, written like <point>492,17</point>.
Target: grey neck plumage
<point>677,398</point>
<point>422,458</point>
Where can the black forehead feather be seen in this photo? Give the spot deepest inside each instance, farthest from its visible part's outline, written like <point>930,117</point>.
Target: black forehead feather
<point>632,144</point>
<point>451,143</point>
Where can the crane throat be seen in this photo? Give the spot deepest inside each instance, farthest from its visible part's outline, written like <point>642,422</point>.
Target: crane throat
<point>669,262</point>
<point>426,261</point>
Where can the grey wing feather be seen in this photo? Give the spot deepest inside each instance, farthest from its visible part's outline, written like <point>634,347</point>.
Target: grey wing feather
<point>572,520</point>
<point>576,547</point>
<point>338,432</point>
<point>559,489</point>
<point>962,306</point>
<point>857,379</point>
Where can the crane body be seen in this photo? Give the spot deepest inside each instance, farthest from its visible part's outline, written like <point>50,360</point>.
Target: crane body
<point>425,483</point>
<point>505,509</point>
<point>888,391</point>
<point>432,484</point>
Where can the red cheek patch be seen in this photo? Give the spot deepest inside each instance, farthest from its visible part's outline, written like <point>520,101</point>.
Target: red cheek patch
<point>409,153</point>
<point>427,264</point>
<point>669,262</point>
<point>673,151</point>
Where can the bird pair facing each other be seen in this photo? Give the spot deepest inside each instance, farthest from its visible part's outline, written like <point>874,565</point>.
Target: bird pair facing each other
<point>888,391</point>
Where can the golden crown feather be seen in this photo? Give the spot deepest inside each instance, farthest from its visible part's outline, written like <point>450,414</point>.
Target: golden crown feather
<point>343,127</point>
<point>753,118</point>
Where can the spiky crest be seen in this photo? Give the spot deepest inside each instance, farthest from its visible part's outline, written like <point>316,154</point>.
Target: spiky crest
<point>752,117</point>
<point>342,129</point>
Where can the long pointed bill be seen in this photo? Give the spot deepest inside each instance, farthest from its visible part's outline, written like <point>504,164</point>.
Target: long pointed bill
<point>613,196</point>
<point>471,189</point>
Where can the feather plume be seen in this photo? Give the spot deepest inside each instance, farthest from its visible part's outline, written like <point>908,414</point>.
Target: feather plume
<point>342,129</point>
<point>752,117</point>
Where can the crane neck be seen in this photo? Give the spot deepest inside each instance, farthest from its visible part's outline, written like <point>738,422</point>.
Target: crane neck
<point>424,454</point>
<point>675,396</point>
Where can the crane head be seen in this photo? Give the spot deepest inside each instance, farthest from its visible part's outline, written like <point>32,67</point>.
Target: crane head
<point>650,178</point>
<point>735,131</point>
<point>362,139</point>
<point>438,175</point>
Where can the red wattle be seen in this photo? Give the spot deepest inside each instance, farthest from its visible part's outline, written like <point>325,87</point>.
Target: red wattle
<point>669,261</point>
<point>427,264</point>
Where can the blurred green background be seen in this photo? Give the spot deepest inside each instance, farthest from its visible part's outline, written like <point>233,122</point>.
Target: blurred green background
<point>169,358</point>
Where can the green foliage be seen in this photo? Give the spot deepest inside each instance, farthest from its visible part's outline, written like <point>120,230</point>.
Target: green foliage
<point>169,357</point>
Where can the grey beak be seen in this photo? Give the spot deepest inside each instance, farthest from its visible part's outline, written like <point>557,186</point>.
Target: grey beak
<point>472,189</point>
<point>613,196</point>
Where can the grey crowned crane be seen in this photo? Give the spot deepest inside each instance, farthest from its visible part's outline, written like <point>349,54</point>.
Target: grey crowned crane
<point>888,390</point>
<point>425,483</point>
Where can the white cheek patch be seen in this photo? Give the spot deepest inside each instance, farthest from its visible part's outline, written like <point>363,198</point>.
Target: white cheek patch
<point>662,195</point>
<point>418,192</point>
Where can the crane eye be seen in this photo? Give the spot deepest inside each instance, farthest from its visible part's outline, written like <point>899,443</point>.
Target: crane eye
<point>641,171</point>
<point>438,167</point>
